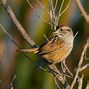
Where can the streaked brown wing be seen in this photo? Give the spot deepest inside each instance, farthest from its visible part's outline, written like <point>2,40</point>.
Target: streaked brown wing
<point>51,46</point>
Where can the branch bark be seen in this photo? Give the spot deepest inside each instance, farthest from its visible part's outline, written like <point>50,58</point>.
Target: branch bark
<point>87,86</point>
<point>80,82</point>
<point>82,11</point>
<point>17,24</point>
<point>79,65</point>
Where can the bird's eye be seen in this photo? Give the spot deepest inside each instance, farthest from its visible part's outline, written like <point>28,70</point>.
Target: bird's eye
<point>61,29</point>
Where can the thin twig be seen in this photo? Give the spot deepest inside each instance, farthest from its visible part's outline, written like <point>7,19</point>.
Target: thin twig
<point>80,82</point>
<point>20,48</point>
<point>79,65</point>
<point>46,37</point>
<point>61,7</point>
<point>37,13</point>
<point>64,70</point>
<point>87,59</point>
<point>84,67</point>
<point>82,11</point>
<point>67,68</point>
<point>76,34</point>
<point>52,15</point>
<point>56,5</point>
<point>87,86</point>
<point>44,8</point>
<point>11,84</point>
<point>57,83</point>
<point>64,9</point>
<point>59,76</point>
<point>17,24</point>
<point>9,36</point>
<point>50,2</point>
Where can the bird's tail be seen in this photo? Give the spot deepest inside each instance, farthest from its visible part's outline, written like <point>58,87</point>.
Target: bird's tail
<point>34,50</point>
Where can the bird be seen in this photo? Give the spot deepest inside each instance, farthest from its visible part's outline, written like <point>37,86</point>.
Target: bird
<point>57,48</point>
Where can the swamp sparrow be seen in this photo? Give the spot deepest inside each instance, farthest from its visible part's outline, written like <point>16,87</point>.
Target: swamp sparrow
<point>58,47</point>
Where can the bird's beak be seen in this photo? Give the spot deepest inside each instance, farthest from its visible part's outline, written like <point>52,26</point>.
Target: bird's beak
<point>55,33</point>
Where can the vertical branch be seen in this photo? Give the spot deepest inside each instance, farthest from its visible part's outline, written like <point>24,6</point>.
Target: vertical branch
<point>79,65</point>
<point>53,15</point>
<point>80,82</point>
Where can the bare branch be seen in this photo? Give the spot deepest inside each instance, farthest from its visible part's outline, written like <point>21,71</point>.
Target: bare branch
<point>87,86</point>
<point>17,24</point>
<point>20,48</point>
<point>53,18</point>
<point>76,34</point>
<point>58,76</point>
<point>84,67</point>
<point>80,82</point>
<point>56,5</point>
<point>79,65</point>
<point>51,9</point>
<point>61,7</point>
<point>67,68</point>
<point>44,8</point>
<point>60,14</point>
<point>38,13</point>
<point>46,37</point>
<point>11,84</point>
<point>82,11</point>
<point>56,83</point>
<point>9,36</point>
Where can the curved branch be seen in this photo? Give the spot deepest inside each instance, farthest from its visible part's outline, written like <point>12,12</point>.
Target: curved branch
<point>82,11</point>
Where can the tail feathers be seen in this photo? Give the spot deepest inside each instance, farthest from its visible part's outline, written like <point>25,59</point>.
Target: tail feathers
<point>34,50</point>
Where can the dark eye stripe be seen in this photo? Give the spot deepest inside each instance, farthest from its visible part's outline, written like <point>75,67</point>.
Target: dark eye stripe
<point>68,30</point>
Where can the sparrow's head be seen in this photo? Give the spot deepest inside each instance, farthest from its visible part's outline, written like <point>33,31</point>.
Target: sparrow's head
<point>63,31</point>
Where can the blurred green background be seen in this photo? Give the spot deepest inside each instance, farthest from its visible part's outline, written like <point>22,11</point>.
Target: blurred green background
<point>28,75</point>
